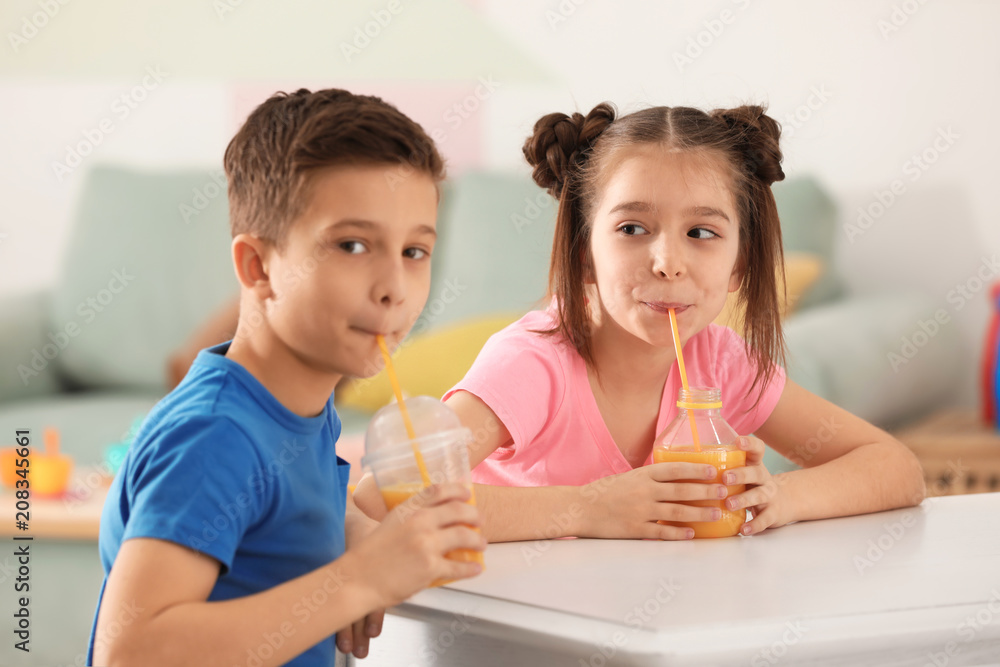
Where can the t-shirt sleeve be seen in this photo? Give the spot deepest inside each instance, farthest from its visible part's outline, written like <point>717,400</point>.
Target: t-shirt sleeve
<point>520,378</point>
<point>199,483</point>
<point>735,372</point>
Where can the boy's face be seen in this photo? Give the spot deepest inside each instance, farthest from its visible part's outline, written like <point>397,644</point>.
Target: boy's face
<point>356,263</point>
<point>665,232</point>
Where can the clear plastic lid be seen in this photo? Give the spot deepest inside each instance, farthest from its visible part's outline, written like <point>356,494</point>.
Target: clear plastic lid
<point>434,424</point>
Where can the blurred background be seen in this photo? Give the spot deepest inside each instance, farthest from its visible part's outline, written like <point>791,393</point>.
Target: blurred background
<point>114,245</point>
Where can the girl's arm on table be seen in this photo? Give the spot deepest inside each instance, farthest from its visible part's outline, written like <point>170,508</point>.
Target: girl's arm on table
<point>849,466</point>
<point>511,513</point>
<point>626,505</point>
<point>508,513</point>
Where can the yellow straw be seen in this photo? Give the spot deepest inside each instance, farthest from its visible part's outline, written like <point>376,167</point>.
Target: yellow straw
<point>684,377</point>
<point>424,476</point>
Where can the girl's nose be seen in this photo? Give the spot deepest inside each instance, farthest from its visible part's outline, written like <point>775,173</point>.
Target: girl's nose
<point>667,262</point>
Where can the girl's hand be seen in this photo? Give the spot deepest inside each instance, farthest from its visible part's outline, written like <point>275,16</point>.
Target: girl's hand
<point>763,497</point>
<point>628,505</point>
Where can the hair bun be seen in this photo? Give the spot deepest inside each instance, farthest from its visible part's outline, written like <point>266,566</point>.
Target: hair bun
<point>758,135</point>
<point>560,143</point>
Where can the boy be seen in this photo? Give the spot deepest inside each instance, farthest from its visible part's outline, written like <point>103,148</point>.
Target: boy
<point>223,537</point>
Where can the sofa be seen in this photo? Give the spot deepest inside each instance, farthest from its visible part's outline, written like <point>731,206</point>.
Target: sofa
<point>148,261</point>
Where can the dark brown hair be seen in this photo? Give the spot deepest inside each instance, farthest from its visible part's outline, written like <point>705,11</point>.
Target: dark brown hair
<point>291,135</point>
<point>571,157</point>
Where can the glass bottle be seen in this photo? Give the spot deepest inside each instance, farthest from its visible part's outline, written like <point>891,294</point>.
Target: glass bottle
<point>700,410</point>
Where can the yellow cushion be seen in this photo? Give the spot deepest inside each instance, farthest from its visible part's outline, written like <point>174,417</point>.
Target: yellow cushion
<point>802,270</point>
<point>429,364</point>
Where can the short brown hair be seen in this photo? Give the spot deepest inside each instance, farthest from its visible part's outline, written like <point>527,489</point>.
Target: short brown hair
<point>291,135</point>
<point>571,156</point>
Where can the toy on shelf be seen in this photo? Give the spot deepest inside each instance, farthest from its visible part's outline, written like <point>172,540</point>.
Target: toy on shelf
<point>989,382</point>
<point>48,469</point>
<point>115,453</point>
<point>8,466</point>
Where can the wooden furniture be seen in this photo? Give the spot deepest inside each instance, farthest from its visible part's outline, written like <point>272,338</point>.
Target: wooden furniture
<point>77,514</point>
<point>74,516</point>
<point>959,453</point>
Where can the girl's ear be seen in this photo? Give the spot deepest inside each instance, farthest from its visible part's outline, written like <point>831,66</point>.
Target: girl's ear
<point>736,278</point>
<point>588,268</point>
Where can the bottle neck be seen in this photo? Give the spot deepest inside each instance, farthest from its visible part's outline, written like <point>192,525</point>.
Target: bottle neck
<point>699,412</point>
<point>700,400</point>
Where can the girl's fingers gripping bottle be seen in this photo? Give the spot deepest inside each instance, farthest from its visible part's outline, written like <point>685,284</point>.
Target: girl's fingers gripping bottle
<point>699,434</point>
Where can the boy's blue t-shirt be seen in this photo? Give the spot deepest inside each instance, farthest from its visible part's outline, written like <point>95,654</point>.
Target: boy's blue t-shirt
<point>222,467</point>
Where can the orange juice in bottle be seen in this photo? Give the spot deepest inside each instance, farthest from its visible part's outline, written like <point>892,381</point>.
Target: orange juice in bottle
<point>699,434</point>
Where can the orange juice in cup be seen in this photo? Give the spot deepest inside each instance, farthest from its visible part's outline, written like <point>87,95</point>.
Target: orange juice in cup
<point>441,441</point>
<point>699,434</point>
<point>400,493</point>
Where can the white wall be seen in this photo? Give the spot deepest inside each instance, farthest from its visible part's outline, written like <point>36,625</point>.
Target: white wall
<point>893,73</point>
<point>885,98</point>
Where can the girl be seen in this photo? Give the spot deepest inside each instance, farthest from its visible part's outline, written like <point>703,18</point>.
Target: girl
<point>665,207</point>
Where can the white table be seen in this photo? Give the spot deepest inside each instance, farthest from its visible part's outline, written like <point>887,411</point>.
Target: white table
<point>910,587</point>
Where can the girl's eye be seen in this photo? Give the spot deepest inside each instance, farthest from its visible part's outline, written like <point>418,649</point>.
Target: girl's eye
<point>416,253</point>
<point>630,229</point>
<point>352,247</point>
<point>708,233</point>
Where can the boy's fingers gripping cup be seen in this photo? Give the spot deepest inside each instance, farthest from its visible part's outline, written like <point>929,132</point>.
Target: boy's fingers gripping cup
<point>392,455</point>
<point>699,434</point>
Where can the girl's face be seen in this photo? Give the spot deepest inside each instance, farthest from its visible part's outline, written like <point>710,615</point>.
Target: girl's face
<point>664,233</point>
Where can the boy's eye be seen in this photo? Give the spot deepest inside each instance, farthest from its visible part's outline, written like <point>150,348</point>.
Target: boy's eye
<point>630,229</point>
<point>707,233</point>
<point>416,253</point>
<point>352,247</point>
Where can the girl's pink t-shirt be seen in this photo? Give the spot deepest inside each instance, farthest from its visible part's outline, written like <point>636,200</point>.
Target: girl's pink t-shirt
<point>537,385</point>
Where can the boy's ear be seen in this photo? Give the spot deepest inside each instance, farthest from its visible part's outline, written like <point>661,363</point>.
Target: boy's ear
<point>250,259</point>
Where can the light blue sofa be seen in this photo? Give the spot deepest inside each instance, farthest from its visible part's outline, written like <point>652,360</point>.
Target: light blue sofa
<point>149,261</point>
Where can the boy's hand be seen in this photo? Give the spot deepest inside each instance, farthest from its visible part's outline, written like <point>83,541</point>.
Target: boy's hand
<point>763,497</point>
<point>356,637</point>
<point>407,550</point>
<point>629,504</point>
